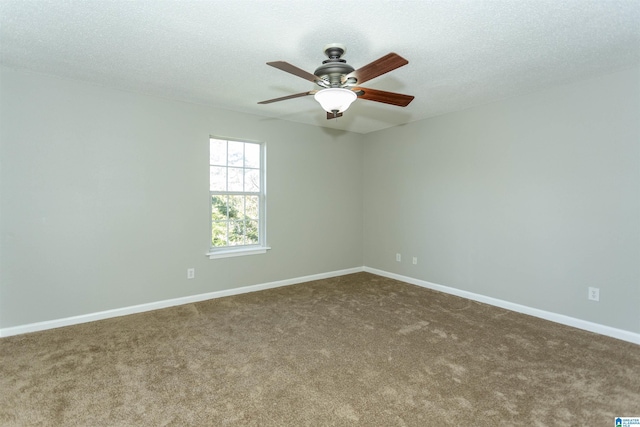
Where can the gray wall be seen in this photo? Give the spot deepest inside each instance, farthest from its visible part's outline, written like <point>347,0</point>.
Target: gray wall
<point>104,199</point>
<point>530,200</point>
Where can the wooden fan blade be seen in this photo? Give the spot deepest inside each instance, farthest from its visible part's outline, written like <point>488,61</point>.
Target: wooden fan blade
<point>382,96</point>
<point>378,67</point>
<point>292,69</point>
<point>296,95</point>
<point>331,116</point>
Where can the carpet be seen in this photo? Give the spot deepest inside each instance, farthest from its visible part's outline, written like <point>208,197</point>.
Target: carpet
<point>358,349</point>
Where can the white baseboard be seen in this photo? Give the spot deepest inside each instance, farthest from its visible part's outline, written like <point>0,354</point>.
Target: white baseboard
<point>91,317</point>
<point>554,317</point>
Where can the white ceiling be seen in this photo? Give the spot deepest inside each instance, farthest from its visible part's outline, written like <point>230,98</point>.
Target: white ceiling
<point>461,53</point>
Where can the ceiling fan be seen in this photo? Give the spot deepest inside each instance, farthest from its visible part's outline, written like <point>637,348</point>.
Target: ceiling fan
<point>339,82</point>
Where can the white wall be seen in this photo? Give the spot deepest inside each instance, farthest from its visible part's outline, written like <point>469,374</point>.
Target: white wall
<point>104,199</point>
<point>530,200</point>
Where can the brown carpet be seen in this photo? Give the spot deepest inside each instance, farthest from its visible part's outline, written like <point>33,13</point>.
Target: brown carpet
<point>352,350</point>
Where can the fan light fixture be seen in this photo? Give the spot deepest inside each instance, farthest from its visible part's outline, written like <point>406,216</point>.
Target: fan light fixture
<point>335,99</point>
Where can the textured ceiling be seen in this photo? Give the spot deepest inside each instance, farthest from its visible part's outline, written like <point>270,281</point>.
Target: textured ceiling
<point>461,53</point>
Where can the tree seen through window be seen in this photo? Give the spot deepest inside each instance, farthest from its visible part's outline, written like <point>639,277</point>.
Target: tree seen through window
<point>237,195</point>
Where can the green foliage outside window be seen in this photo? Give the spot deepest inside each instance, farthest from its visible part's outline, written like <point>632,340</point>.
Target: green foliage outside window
<point>237,194</point>
<point>234,220</point>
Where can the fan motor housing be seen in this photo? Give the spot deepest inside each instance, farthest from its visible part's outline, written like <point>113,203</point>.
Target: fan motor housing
<point>334,68</point>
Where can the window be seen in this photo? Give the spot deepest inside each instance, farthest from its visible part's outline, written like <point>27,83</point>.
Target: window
<point>237,192</point>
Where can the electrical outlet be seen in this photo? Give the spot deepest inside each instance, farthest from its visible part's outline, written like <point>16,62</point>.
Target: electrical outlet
<point>191,273</point>
<point>398,257</point>
<point>415,260</point>
<point>594,294</point>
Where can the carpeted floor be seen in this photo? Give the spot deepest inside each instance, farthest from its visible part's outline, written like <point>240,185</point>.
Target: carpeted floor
<point>352,350</point>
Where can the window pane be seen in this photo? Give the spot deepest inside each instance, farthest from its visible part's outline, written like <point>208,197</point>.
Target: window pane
<point>251,228</point>
<point>217,178</point>
<point>236,233</point>
<point>235,179</point>
<point>217,152</point>
<point>219,233</point>
<point>236,153</point>
<point>236,207</point>
<point>251,207</point>
<point>252,180</point>
<point>219,209</point>
<point>252,155</point>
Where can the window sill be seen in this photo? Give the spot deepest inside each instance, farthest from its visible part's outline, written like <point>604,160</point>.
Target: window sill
<point>228,253</point>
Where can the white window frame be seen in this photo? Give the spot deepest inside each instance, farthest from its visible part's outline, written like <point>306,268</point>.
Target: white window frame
<point>241,250</point>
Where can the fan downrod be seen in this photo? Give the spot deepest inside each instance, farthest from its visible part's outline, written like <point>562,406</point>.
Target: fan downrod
<point>334,51</point>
